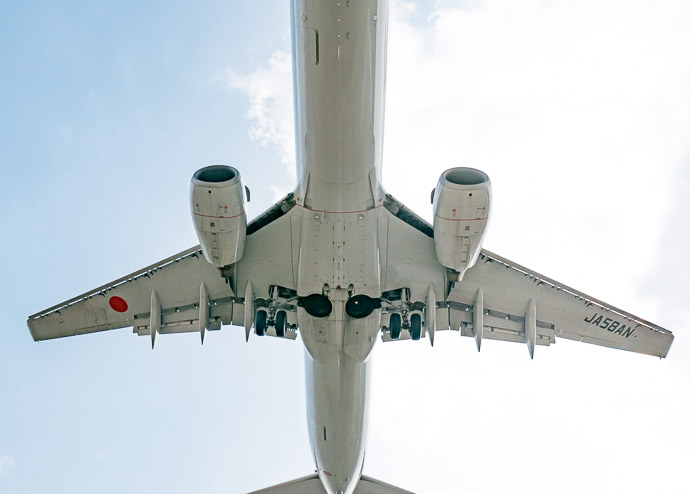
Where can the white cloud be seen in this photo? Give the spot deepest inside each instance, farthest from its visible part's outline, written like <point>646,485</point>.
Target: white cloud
<point>270,114</point>
<point>279,192</point>
<point>6,464</point>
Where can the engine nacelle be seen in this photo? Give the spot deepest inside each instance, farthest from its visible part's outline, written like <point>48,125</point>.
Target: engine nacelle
<point>220,219</point>
<point>461,212</point>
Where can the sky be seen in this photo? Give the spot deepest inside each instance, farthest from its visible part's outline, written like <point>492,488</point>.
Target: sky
<point>578,111</point>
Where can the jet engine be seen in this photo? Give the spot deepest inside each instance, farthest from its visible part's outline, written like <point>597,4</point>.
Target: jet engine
<point>461,212</point>
<point>217,198</point>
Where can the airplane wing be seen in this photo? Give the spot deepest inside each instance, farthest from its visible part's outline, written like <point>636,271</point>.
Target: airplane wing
<point>521,305</point>
<point>312,485</point>
<point>184,292</point>
<point>172,285</point>
<point>501,300</point>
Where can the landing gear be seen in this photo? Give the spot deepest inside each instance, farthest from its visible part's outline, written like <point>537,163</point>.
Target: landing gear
<point>395,325</point>
<point>415,327</point>
<point>281,319</point>
<point>261,323</point>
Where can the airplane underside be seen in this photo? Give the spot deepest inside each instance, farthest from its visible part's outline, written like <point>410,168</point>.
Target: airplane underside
<point>340,261</point>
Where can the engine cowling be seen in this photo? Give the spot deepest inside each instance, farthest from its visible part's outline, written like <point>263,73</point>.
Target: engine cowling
<point>461,200</point>
<point>217,198</point>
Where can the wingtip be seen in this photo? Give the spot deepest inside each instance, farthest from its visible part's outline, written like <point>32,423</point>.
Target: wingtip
<point>31,330</point>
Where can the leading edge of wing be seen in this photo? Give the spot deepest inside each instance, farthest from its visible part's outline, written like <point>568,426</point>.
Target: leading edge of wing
<point>539,279</point>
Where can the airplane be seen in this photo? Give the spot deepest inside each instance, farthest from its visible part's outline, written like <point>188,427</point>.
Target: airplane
<point>340,261</point>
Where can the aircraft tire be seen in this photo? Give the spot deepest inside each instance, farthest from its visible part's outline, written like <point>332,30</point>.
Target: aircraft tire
<point>416,326</point>
<point>395,326</point>
<point>260,323</point>
<point>281,318</point>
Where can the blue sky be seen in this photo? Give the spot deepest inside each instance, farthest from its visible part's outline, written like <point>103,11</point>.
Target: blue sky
<point>580,114</point>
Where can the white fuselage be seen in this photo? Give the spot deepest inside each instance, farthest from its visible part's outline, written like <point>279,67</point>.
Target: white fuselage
<point>339,61</point>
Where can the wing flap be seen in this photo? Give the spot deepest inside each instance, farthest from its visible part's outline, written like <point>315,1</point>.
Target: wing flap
<point>498,325</point>
<point>185,318</point>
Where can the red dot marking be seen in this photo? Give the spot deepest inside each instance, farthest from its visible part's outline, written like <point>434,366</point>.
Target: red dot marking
<point>327,474</point>
<point>118,304</point>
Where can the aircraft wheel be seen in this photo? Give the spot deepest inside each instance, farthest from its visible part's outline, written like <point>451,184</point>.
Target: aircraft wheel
<point>395,326</point>
<point>260,323</point>
<point>416,326</point>
<point>281,318</point>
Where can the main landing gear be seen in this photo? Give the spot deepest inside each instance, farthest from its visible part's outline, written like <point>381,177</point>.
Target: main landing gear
<point>404,315</point>
<point>272,312</point>
<point>263,322</point>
